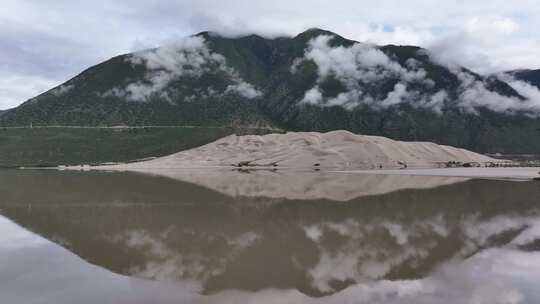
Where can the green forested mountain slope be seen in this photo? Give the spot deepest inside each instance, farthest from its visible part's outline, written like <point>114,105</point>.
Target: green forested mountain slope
<point>316,81</point>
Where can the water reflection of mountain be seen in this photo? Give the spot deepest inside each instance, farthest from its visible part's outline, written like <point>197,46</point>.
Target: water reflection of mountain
<point>165,229</point>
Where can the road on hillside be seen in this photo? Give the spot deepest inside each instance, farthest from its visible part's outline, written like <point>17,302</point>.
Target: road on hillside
<point>134,127</point>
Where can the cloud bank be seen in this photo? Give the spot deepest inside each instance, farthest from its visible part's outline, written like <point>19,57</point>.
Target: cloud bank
<point>42,42</point>
<point>361,66</point>
<point>358,68</point>
<point>189,57</point>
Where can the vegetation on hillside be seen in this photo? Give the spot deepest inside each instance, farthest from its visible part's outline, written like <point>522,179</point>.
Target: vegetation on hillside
<point>73,146</point>
<point>253,86</point>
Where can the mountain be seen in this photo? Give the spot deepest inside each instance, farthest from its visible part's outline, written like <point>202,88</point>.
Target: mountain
<point>316,81</point>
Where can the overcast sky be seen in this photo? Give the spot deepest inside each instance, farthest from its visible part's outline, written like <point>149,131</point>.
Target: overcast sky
<point>45,42</point>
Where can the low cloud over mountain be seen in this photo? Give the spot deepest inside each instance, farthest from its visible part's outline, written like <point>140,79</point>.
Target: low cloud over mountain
<point>316,81</point>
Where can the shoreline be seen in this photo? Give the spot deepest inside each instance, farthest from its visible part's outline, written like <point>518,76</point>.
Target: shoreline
<point>519,174</point>
<point>515,174</point>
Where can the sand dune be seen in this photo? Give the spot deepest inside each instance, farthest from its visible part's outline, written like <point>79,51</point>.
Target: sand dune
<point>337,149</point>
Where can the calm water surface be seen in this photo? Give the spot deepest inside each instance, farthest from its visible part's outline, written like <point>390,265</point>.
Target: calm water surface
<point>266,237</point>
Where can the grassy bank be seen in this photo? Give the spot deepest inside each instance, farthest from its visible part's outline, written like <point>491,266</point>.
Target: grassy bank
<point>68,146</point>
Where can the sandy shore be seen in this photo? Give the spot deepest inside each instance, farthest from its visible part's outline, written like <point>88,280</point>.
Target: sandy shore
<point>491,173</point>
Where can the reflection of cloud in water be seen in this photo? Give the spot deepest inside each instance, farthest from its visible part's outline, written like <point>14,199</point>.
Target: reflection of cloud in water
<point>302,185</point>
<point>12,237</point>
<point>523,231</point>
<point>167,263</point>
<point>504,276</point>
<point>356,251</point>
<point>385,248</point>
<point>495,276</point>
<point>369,251</point>
<point>530,235</point>
<point>376,249</point>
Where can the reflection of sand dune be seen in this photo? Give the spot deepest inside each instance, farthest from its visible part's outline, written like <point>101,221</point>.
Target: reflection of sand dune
<point>302,185</point>
<point>337,149</point>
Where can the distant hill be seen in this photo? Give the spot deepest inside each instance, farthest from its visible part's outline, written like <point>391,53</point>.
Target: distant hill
<point>316,81</point>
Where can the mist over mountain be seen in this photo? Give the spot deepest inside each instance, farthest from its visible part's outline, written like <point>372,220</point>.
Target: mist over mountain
<point>316,81</point>
<point>530,76</point>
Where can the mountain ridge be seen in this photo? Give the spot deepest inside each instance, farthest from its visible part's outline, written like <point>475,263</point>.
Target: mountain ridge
<point>314,81</point>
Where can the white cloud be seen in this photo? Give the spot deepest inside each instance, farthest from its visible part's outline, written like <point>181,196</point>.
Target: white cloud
<point>188,57</point>
<point>532,93</point>
<point>377,34</point>
<point>62,89</point>
<point>356,63</point>
<point>397,96</point>
<point>244,89</point>
<point>45,38</point>
<point>492,24</point>
<point>475,94</point>
<point>362,64</point>
<point>355,66</point>
<point>313,96</point>
<point>486,44</point>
